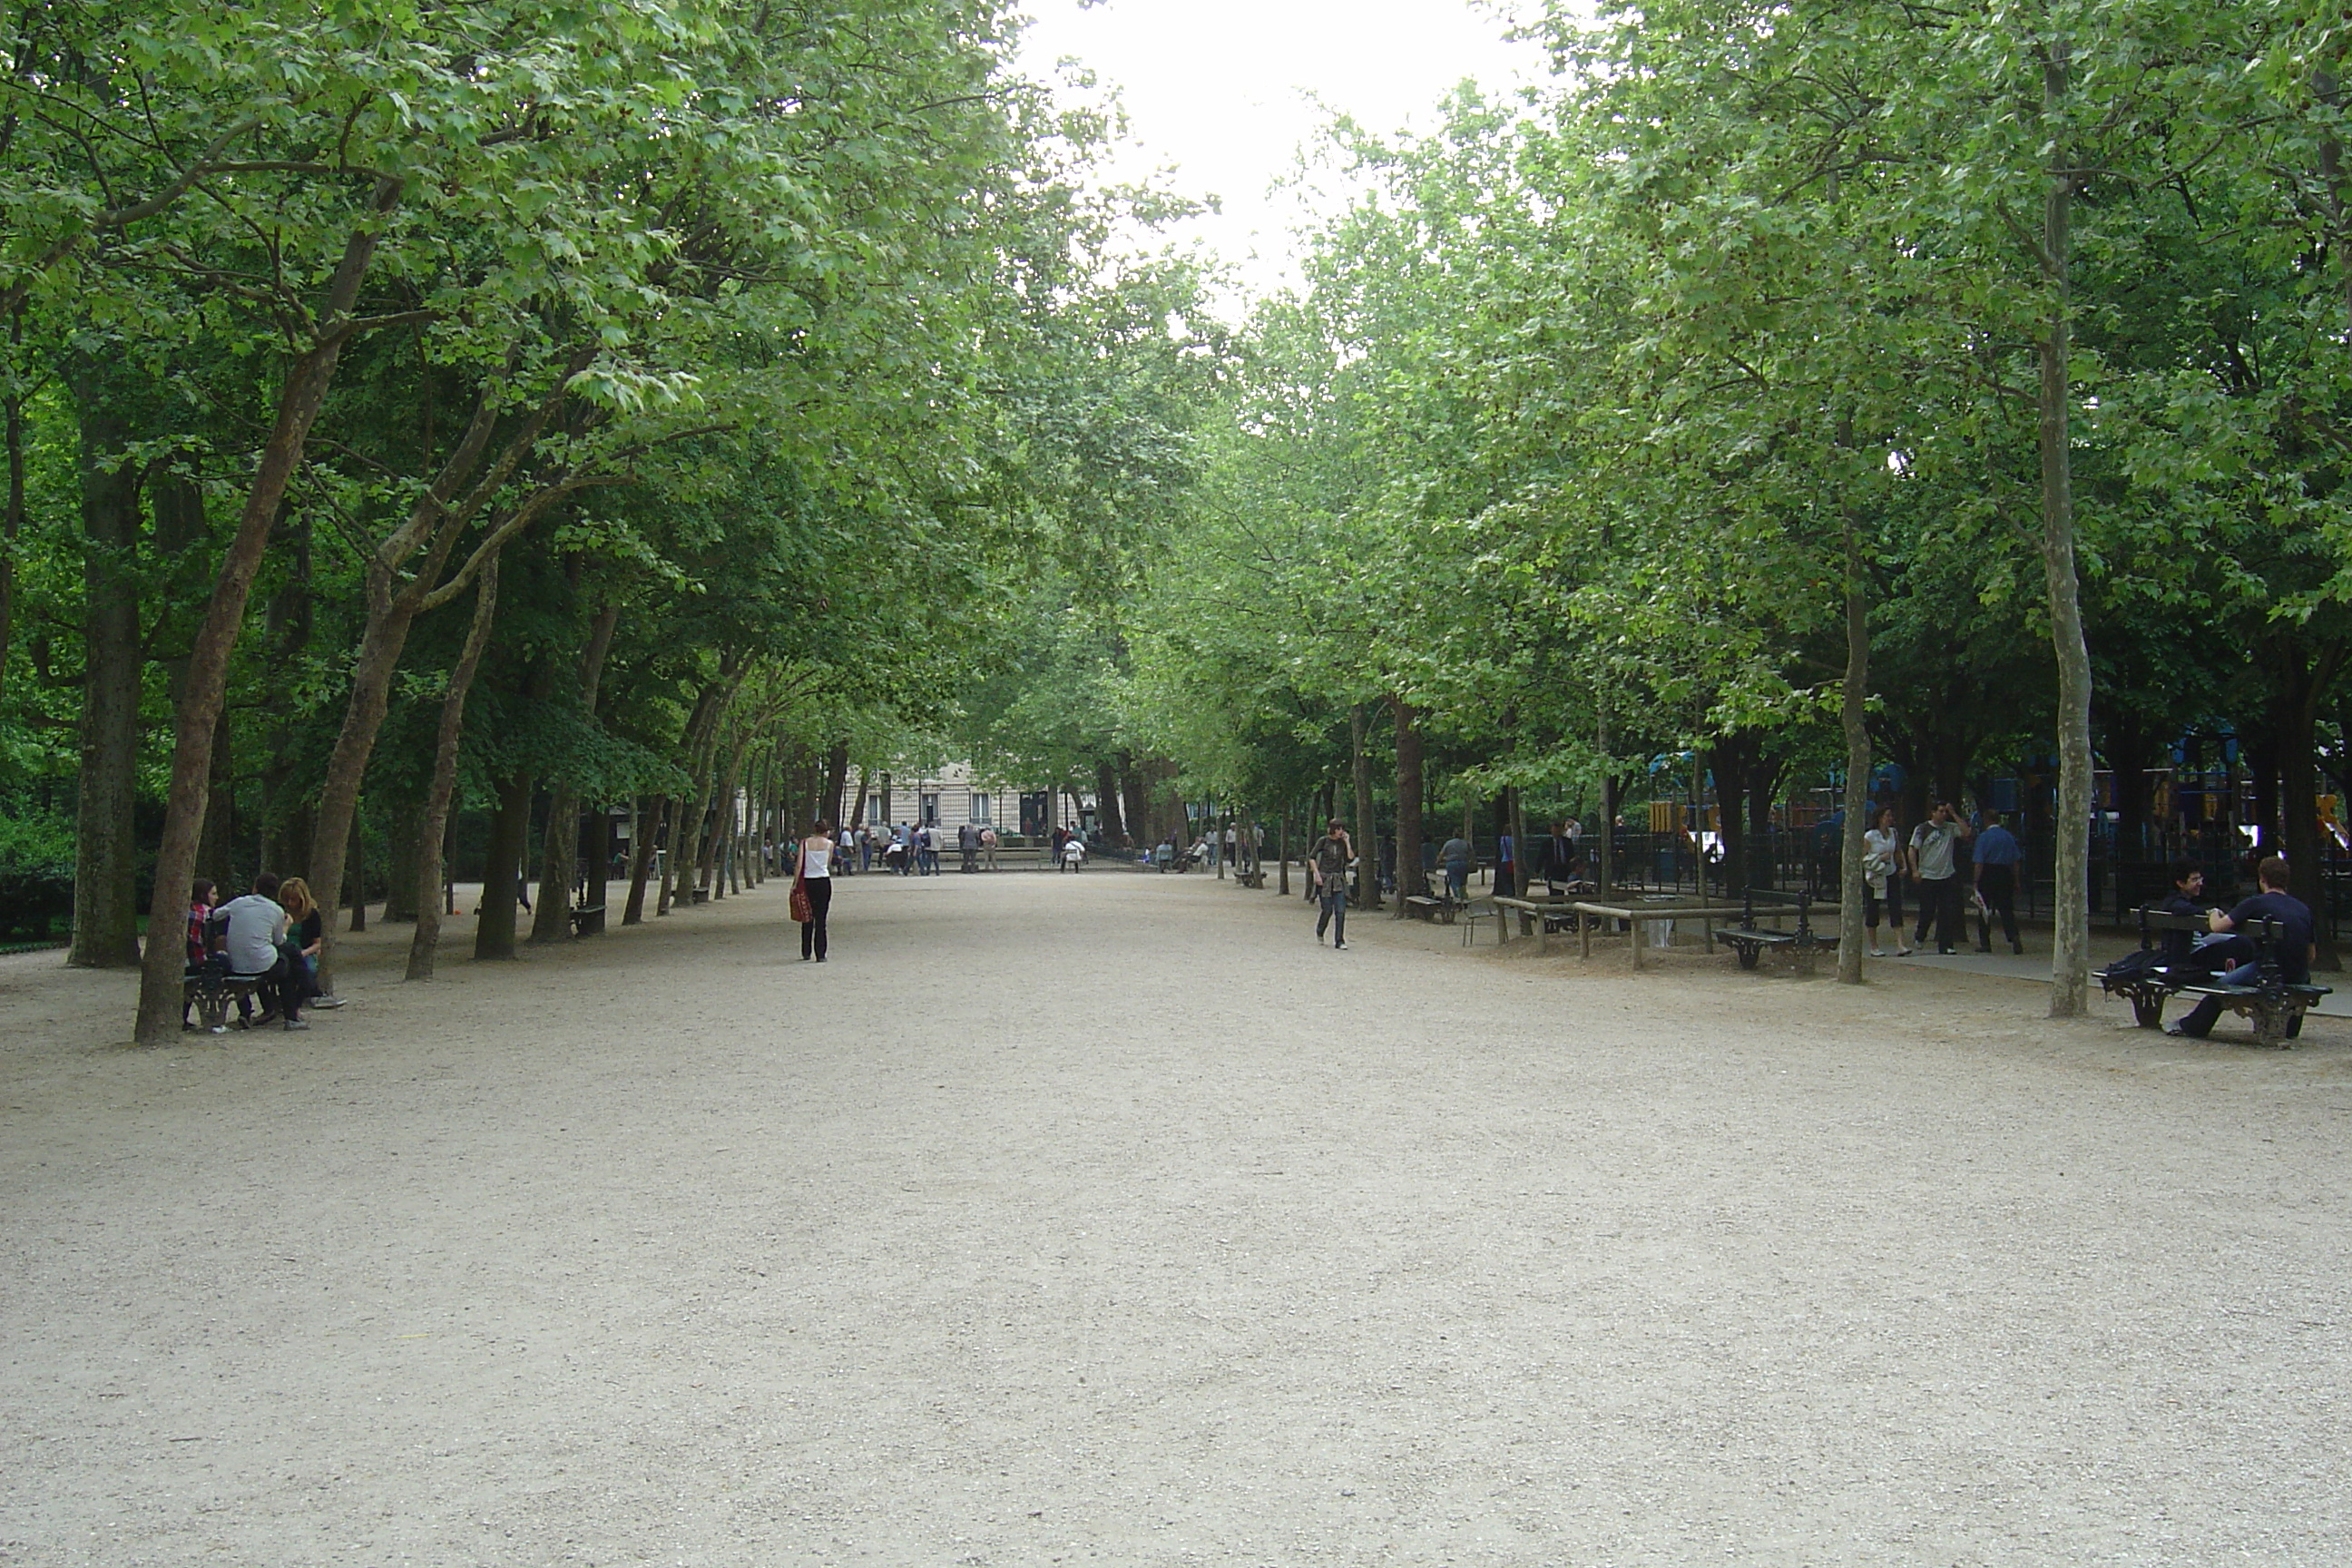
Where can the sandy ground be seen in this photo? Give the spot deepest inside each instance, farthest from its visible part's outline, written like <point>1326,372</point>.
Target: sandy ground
<point>1109,1218</point>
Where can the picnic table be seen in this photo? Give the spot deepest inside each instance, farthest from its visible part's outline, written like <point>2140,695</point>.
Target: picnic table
<point>1711,915</point>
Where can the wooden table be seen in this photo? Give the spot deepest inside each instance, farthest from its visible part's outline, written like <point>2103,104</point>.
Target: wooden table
<point>1712,914</point>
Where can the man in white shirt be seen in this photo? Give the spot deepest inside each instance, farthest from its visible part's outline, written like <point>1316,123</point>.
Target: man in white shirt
<point>256,924</point>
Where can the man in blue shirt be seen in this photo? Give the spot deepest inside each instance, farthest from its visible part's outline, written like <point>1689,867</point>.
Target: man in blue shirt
<point>2275,903</point>
<point>1999,861</point>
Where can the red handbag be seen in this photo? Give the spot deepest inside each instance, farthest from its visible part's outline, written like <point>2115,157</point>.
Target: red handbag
<point>799,901</point>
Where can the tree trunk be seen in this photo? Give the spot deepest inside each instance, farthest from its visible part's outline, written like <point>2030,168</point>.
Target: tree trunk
<point>1854,712</point>
<point>1282,852</point>
<point>106,850</point>
<point>836,782</point>
<point>2070,959</point>
<point>1135,800</point>
<point>560,852</point>
<point>643,839</point>
<point>358,874</point>
<point>12,508</point>
<point>437,811</point>
<point>494,919</point>
<point>2305,681</point>
<point>1368,844</point>
<point>409,825</point>
<point>1108,817</point>
<point>305,391</point>
<point>1411,880</point>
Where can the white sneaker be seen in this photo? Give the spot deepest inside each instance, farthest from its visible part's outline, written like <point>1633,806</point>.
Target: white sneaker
<point>1878,953</point>
<point>1901,952</point>
<point>1339,947</point>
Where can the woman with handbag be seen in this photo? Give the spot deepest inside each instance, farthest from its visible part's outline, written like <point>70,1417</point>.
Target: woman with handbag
<point>812,889</point>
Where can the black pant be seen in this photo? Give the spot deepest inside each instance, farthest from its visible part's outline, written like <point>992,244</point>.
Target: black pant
<point>820,898</point>
<point>1939,903</point>
<point>1335,916</point>
<point>1999,886</point>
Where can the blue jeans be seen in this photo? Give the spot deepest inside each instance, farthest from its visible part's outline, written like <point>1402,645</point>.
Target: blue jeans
<point>1334,916</point>
<point>2200,1019</point>
<point>1458,882</point>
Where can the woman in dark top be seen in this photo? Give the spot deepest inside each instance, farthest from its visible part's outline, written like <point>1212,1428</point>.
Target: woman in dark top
<point>306,933</point>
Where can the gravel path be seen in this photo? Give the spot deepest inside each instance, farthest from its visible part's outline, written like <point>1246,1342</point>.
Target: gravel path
<point>1109,1219</point>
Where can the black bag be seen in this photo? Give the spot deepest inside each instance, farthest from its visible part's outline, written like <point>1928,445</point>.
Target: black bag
<point>2146,963</point>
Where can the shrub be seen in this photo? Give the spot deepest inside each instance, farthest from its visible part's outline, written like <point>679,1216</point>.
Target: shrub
<point>36,873</point>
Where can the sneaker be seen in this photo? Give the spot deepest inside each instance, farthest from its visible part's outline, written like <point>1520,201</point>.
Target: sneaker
<point>328,1003</point>
<point>1904,951</point>
<point>1339,947</point>
<point>296,1024</point>
<point>1944,953</point>
<point>1881,953</point>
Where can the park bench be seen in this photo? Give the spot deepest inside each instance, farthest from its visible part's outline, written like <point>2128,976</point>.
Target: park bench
<point>1253,877</point>
<point>588,920</point>
<point>1537,917</point>
<point>1436,911</point>
<point>2148,986</point>
<point>212,989</point>
<point>1749,942</point>
<point>2275,1006</point>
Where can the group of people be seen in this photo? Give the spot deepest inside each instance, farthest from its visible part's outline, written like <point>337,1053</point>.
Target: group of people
<point>912,849</point>
<point>2223,950</point>
<point>271,935</point>
<point>1930,859</point>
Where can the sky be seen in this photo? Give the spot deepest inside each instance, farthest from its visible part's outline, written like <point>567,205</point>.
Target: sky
<point>1220,90</point>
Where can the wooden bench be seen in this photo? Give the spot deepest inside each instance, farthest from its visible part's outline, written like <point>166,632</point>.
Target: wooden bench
<point>588,920</point>
<point>1749,942</point>
<point>1436,911</point>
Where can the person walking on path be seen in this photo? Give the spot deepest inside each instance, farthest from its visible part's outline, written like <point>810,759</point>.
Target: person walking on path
<point>1881,878</point>
<point>814,873</point>
<point>2275,903</point>
<point>2000,860</point>
<point>1455,856</point>
<point>1333,855</point>
<point>1935,847</point>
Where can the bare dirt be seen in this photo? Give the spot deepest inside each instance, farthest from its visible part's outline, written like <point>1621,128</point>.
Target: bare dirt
<point>1109,1218</point>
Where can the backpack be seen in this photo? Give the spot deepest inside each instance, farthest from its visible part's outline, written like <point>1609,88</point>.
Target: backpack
<point>2146,963</point>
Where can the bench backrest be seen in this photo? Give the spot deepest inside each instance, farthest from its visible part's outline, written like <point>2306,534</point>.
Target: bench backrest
<point>2266,934</point>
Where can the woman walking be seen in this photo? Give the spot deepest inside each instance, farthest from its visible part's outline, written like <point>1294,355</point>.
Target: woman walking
<point>814,877</point>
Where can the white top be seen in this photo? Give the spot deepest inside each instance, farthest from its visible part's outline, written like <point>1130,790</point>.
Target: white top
<point>816,858</point>
<point>254,923</point>
<point>1878,846</point>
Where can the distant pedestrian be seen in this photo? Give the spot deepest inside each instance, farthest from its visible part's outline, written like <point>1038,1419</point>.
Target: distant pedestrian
<point>968,846</point>
<point>1881,880</point>
<point>988,847</point>
<point>1333,855</point>
<point>813,875</point>
<point>1999,865</point>
<point>1073,853</point>
<point>1454,854</point>
<point>1934,871</point>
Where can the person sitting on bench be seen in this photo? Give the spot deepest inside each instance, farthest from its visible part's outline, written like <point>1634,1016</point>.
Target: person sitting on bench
<point>256,922</point>
<point>2183,950</point>
<point>2274,902</point>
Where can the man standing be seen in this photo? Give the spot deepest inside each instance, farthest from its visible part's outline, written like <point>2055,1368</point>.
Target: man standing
<point>2273,904</point>
<point>1935,846</point>
<point>1999,864</point>
<point>1333,855</point>
<point>968,844</point>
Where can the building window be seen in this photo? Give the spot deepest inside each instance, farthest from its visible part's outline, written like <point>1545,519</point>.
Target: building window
<point>931,809</point>
<point>980,805</point>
